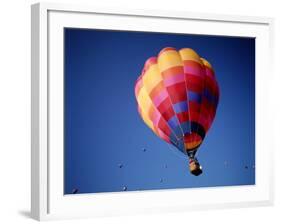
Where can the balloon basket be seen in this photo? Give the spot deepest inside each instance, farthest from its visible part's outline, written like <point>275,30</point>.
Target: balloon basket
<point>195,167</point>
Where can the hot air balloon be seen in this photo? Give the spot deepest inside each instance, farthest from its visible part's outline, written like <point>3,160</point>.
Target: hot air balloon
<point>177,96</point>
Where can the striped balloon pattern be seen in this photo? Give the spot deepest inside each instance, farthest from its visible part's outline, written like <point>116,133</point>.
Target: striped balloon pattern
<point>177,95</point>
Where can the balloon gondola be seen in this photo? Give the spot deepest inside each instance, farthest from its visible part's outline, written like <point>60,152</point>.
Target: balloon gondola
<point>177,96</point>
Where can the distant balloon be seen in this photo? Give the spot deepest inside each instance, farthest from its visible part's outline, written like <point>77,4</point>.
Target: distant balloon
<point>177,95</point>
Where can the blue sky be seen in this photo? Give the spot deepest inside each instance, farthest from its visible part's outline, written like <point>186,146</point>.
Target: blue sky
<point>108,147</point>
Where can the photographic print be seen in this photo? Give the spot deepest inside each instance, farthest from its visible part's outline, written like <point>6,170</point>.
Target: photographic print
<point>152,111</point>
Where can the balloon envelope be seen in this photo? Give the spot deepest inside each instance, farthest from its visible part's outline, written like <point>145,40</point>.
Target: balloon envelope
<point>177,95</point>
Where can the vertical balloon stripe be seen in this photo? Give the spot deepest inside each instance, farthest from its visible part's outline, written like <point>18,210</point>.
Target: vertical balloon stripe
<point>145,108</point>
<point>157,94</point>
<point>171,68</point>
<point>177,95</point>
<point>194,76</point>
<point>210,96</point>
<point>202,124</point>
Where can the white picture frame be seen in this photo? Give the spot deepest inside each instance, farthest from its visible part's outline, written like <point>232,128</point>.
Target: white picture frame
<point>48,201</point>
